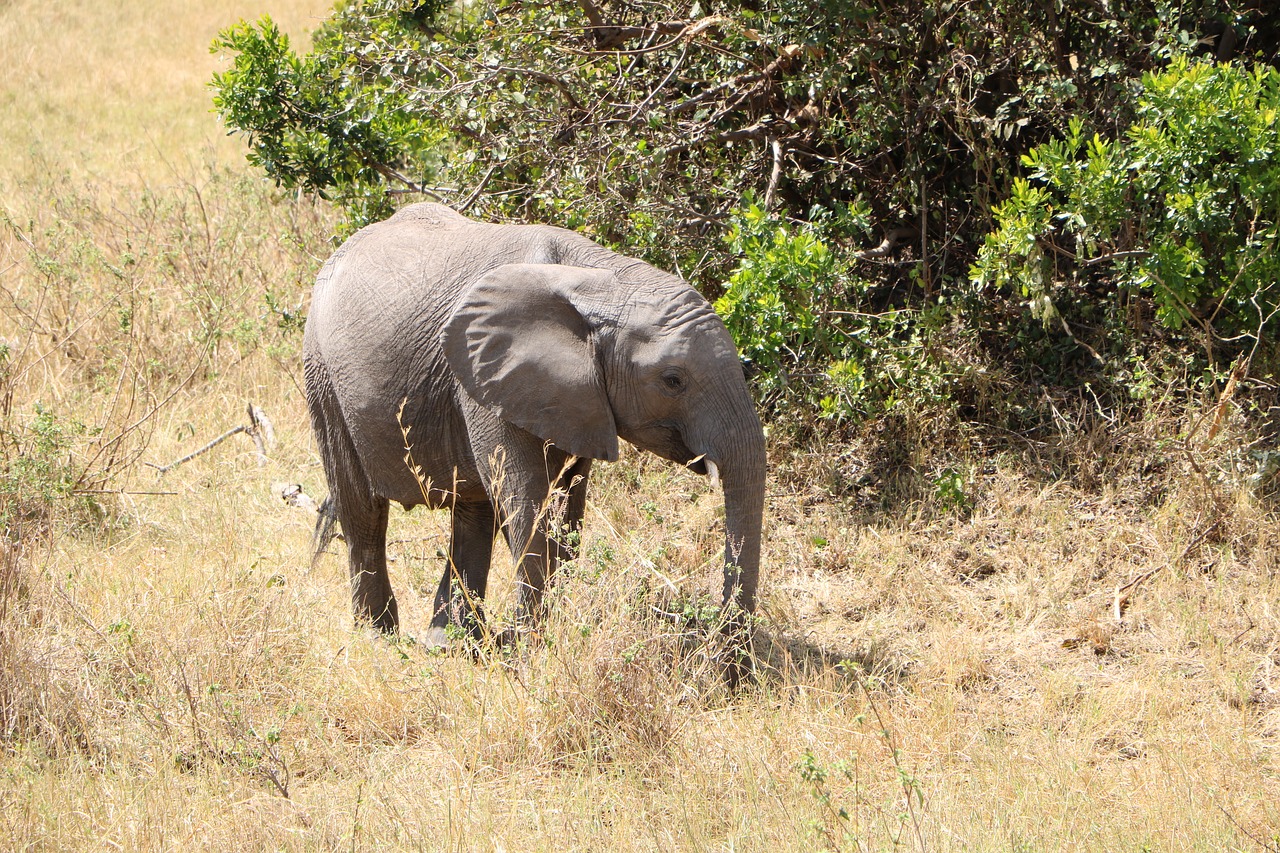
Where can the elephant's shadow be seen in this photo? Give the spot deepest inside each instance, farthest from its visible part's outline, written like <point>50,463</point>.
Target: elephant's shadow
<point>781,658</point>
<point>784,657</point>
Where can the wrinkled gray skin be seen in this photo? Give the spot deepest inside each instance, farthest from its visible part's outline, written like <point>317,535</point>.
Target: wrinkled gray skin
<point>521,353</point>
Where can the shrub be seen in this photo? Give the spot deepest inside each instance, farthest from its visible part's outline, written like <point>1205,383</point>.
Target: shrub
<point>38,474</point>
<point>982,141</point>
<point>815,333</point>
<point>1182,209</point>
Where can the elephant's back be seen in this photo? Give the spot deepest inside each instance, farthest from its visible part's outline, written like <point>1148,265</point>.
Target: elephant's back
<point>395,278</point>
<point>373,330</point>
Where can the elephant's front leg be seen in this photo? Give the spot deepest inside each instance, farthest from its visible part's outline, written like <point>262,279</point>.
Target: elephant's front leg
<point>534,554</point>
<point>571,491</point>
<point>459,600</point>
<point>540,520</point>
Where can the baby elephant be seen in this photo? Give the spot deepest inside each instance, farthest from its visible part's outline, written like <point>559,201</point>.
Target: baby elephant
<point>508,358</point>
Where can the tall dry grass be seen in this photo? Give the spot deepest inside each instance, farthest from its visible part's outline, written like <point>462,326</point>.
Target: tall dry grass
<point>173,674</point>
<point>116,92</point>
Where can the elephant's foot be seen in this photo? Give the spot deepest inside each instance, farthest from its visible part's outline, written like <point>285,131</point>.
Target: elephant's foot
<point>380,611</point>
<point>453,637</point>
<point>435,640</point>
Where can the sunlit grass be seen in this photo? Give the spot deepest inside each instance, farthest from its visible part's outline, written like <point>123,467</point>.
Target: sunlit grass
<point>118,92</point>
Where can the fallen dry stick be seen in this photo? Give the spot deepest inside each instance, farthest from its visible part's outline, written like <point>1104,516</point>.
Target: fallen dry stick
<point>259,429</point>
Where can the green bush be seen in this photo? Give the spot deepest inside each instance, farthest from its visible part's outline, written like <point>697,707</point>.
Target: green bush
<point>807,327</point>
<point>331,122</point>
<point>1184,208</point>
<point>38,474</point>
<point>779,298</point>
<point>590,113</point>
<point>760,149</point>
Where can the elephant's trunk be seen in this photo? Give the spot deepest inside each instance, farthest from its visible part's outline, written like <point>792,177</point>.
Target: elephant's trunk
<point>743,473</point>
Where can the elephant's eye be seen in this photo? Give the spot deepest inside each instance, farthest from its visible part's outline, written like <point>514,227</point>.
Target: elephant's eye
<point>673,382</point>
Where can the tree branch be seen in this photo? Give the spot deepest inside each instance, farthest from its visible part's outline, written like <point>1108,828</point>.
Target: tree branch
<point>544,77</point>
<point>392,175</point>
<point>608,36</point>
<point>758,130</point>
<point>774,175</point>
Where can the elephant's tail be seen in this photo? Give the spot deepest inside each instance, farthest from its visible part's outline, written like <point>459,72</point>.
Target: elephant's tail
<point>326,529</point>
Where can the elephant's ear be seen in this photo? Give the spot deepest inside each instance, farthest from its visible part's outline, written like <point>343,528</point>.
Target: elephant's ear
<point>521,348</point>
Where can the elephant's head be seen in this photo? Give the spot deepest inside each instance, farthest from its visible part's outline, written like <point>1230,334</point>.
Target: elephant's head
<point>581,356</point>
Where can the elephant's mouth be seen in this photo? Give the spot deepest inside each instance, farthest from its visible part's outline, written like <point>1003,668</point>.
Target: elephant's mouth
<point>697,464</point>
<point>667,440</point>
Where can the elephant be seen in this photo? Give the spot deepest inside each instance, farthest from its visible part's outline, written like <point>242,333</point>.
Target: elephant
<point>482,368</point>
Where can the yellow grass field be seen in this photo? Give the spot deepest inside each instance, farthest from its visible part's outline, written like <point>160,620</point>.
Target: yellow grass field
<point>1057,668</point>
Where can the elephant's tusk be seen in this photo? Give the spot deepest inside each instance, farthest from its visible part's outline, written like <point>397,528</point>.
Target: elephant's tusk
<point>713,471</point>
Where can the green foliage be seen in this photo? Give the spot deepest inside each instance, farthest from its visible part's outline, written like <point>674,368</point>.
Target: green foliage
<point>951,492</point>
<point>330,121</point>
<point>802,321</point>
<point>778,295</point>
<point>38,474</point>
<point>1184,208</point>
<point>647,125</point>
<point>833,823</point>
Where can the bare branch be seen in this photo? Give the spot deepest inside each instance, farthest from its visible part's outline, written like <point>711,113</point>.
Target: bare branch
<point>259,429</point>
<point>164,469</point>
<point>475,193</point>
<point>608,36</point>
<point>891,242</point>
<point>391,174</point>
<point>774,175</point>
<point>779,65</point>
<point>759,130</point>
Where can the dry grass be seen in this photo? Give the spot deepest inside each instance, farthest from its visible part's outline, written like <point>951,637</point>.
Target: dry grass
<point>117,92</point>
<point>174,675</point>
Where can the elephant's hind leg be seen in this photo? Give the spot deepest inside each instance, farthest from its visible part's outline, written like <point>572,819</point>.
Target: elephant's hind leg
<point>361,513</point>
<point>365,527</point>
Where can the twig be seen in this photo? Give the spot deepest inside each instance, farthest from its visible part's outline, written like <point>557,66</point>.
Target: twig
<point>559,83</point>
<point>390,173</point>
<point>259,429</point>
<point>262,432</point>
<point>609,35</point>
<point>926,273</point>
<point>1261,842</point>
<point>774,175</point>
<point>1114,256</point>
<point>756,131</point>
<point>1120,602</point>
<point>1238,373</point>
<point>744,83</point>
<point>102,448</point>
<point>475,193</point>
<point>909,783</point>
<point>675,66</point>
<point>164,469</point>
<point>1066,330</point>
<point>891,241</point>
